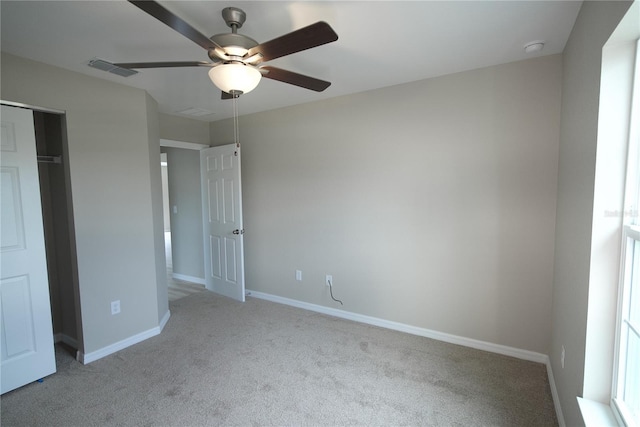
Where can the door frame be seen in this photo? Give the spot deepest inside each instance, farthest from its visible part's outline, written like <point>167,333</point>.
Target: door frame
<point>170,143</point>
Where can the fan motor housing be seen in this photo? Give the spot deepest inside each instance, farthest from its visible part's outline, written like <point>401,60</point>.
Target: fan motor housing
<point>227,40</point>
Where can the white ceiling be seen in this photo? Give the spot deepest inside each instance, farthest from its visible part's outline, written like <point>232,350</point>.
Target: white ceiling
<point>381,43</point>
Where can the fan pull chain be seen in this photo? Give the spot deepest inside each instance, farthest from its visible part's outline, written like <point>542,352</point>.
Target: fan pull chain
<point>236,127</point>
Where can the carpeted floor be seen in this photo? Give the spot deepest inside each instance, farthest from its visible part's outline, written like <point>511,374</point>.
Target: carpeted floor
<point>220,362</point>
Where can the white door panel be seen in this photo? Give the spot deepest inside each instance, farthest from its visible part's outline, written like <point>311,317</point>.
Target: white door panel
<point>25,312</point>
<point>222,220</point>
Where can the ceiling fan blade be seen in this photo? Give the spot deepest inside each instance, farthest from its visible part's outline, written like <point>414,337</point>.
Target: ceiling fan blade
<point>295,79</point>
<point>165,64</point>
<point>160,13</point>
<point>305,38</point>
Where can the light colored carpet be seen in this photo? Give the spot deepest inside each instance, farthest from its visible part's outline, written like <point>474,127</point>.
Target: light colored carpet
<point>220,362</point>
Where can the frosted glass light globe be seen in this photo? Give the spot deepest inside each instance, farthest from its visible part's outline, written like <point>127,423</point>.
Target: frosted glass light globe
<point>235,78</point>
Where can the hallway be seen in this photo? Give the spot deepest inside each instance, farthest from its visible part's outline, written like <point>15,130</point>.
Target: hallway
<point>177,288</point>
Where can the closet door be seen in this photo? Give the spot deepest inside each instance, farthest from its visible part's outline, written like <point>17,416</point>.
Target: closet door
<point>27,352</point>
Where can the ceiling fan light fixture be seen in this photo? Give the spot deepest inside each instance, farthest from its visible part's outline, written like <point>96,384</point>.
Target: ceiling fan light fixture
<point>235,51</point>
<point>235,78</point>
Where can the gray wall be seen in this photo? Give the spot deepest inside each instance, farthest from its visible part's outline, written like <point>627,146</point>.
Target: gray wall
<point>111,177</point>
<point>577,161</point>
<point>157,215</point>
<point>186,224</point>
<point>431,203</point>
<point>183,129</point>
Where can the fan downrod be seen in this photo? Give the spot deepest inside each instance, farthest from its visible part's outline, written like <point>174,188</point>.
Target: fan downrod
<point>234,17</point>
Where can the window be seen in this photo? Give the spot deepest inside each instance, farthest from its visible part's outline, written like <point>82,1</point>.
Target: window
<point>626,380</point>
<point>626,393</point>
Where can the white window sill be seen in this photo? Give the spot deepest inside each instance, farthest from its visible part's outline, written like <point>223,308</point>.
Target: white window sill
<point>596,414</point>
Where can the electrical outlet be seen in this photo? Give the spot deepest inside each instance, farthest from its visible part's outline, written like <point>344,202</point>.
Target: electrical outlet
<point>115,307</point>
<point>562,358</point>
<point>328,280</point>
<point>299,275</point>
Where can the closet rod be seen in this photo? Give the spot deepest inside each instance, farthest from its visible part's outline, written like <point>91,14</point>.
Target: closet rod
<point>49,159</point>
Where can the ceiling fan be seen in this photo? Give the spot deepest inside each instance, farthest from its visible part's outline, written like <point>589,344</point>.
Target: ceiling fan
<point>236,59</point>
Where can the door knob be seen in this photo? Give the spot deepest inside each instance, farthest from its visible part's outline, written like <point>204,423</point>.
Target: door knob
<point>236,231</point>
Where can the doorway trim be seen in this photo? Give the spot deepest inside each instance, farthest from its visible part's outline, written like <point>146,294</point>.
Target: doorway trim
<point>170,143</point>
<point>182,144</point>
<point>32,107</point>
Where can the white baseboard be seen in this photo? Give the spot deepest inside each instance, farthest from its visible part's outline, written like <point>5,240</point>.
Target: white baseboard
<point>414,330</point>
<point>164,320</point>
<point>198,280</point>
<point>86,358</point>
<point>554,394</point>
<point>71,342</point>
<point>120,345</point>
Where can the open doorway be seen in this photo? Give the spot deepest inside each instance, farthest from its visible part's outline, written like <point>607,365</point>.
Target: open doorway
<point>183,244</point>
<point>166,213</point>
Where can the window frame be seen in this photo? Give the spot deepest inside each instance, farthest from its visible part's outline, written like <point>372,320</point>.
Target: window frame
<point>632,182</point>
<point>629,256</point>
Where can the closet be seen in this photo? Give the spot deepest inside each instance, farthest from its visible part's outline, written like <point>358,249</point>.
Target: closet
<point>57,214</point>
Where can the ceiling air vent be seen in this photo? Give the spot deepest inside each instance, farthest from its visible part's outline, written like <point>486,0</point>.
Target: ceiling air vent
<point>196,112</point>
<point>107,66</point>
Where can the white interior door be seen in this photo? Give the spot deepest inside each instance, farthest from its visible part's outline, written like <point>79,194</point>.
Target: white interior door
<point>25,312</point>
<point>222,220</point>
